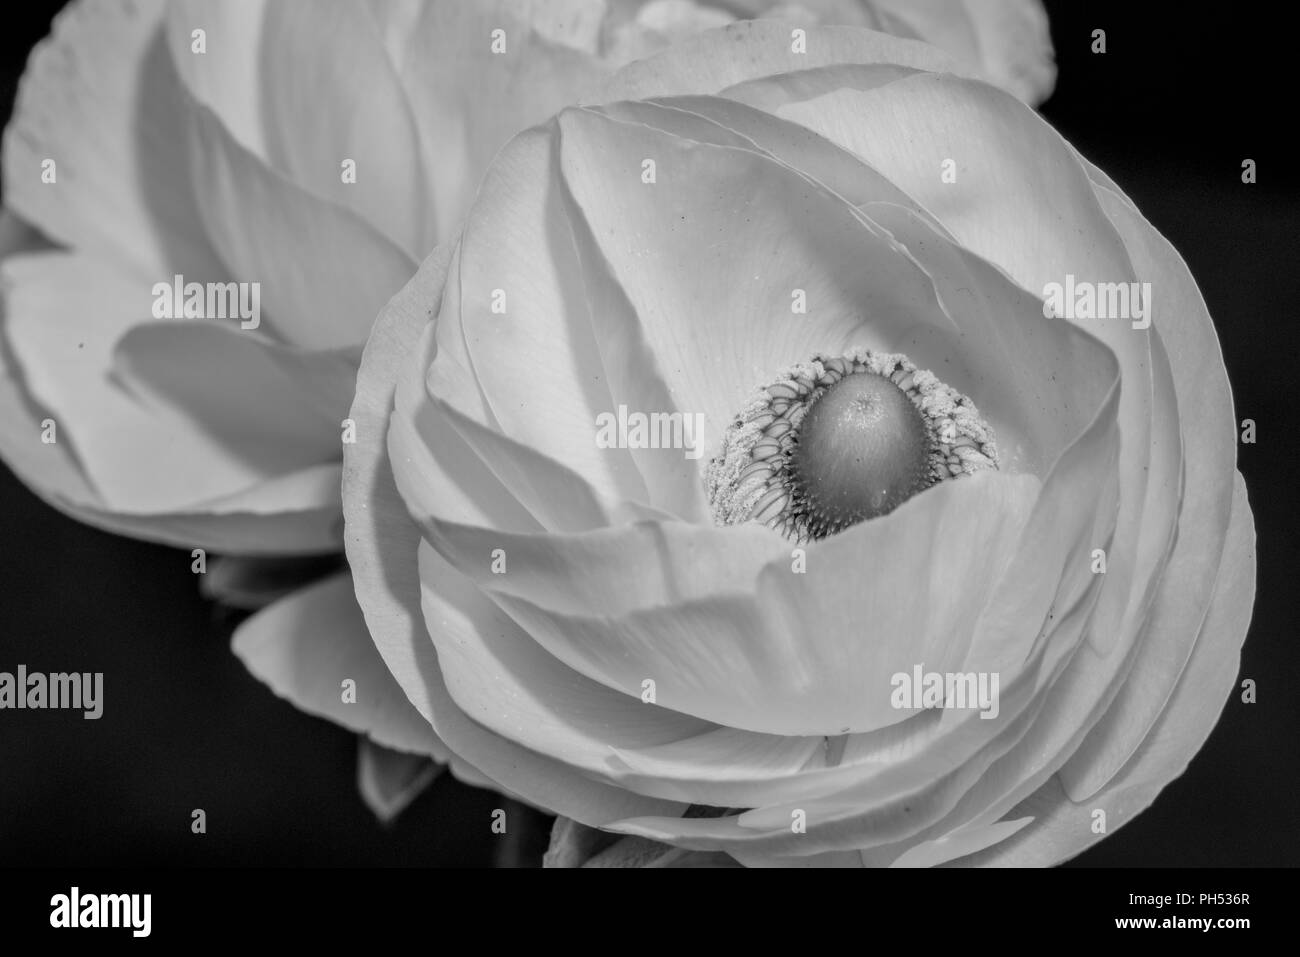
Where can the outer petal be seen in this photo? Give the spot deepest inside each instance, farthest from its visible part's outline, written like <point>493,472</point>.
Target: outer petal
<point>324,270</point>
<point>290,514</point>
<point>382,543</point>
<point>1004,41</point>
<point>717,59</point>
<point>1007,40</point>
<point>1209,437</point>
<point>516,245</point>
<point>635,29</point>
<point>1087,694</point>
<point>454,483</point>
<point>332,94</point>
<point>97,99</point>
<point>1062,827</point>
<point>228,76</point>
<point>307,646</point>
<point>287,411</point>
<point>826,630</point>
<point>450,70</point>
<point>152,441</point>
<point>505,682</point>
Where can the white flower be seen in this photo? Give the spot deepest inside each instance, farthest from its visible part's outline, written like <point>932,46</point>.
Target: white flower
<point>576,627</point>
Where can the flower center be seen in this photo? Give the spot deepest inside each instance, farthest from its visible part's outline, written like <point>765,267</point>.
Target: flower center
<point>837,441</point>
<point>863,450</point>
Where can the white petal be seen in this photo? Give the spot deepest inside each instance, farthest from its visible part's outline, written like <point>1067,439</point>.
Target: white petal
<point>468,101</point>
<point>382,543</point>
<point>1007,40</point>
<point>538,365</point>
<point>1209,437</point>
<point>97,100</point>
<point>227,76</point>
<point>312,649</point>
<point>66,316</point>
<point>1063,828</point>
<point>332,95</point>
<point>814,653</point>
<point>717,59</point>
<point>289,514</point>
<point>323,271</point>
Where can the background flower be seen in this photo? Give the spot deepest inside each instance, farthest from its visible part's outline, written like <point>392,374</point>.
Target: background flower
<point>532,676</point>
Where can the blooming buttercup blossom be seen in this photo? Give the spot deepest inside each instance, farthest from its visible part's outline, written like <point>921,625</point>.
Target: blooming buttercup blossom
<point>719,658</point>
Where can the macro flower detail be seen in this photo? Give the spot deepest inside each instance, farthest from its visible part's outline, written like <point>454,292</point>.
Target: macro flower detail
<point>840,440</point>
<point>938,673</point>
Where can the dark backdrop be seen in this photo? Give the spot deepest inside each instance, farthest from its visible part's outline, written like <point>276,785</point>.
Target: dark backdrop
<point>1169,111</point>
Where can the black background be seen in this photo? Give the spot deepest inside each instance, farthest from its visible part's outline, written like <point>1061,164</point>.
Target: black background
<point>1172,108</point>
